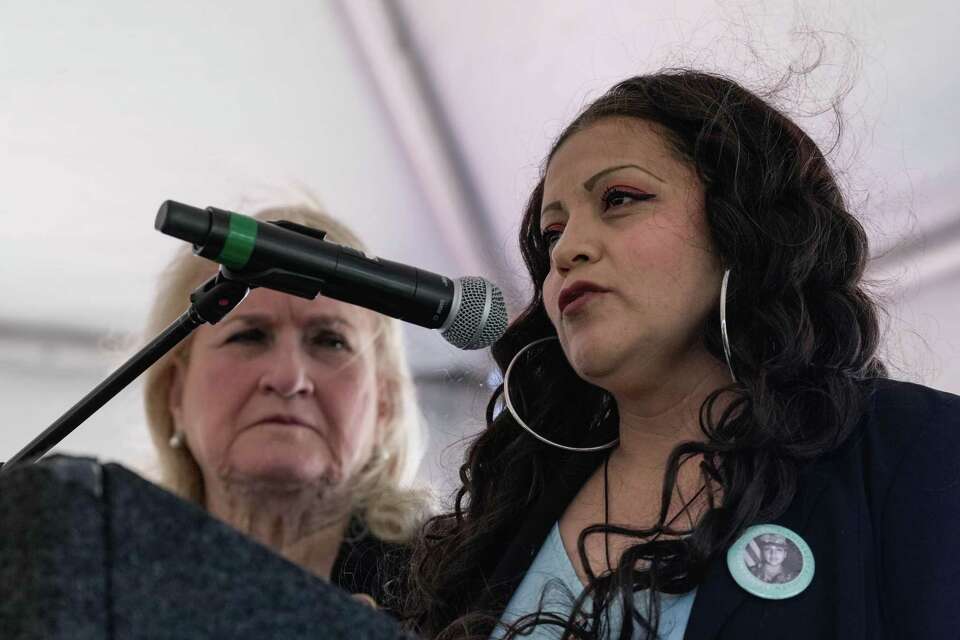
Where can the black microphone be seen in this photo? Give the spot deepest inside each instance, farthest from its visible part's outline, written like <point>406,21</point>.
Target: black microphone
<point>469,312</point>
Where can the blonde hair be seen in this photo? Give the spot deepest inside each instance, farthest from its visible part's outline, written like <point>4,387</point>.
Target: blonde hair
<point>382,497</point>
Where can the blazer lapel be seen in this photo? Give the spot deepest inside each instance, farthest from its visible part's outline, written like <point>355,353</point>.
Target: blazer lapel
<point>719,596</point>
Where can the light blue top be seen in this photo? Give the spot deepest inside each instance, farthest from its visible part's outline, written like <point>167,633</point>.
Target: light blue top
<point>552,575</point>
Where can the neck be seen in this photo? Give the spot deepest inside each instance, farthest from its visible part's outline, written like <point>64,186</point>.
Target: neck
<point>655,418</point>
<point>303,524</point>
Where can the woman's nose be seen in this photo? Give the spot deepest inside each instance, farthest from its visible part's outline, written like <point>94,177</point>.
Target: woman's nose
<point>579,243</point>
<point>287,373</point>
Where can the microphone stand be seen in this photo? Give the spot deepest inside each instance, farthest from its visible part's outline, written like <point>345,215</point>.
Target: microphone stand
<point>210,302</point>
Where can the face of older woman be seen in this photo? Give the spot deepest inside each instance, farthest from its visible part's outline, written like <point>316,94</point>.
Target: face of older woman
<point>283,390</point>
<point>633,274</point>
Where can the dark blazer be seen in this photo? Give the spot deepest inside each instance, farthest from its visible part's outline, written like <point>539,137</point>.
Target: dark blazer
<point>881,515</point>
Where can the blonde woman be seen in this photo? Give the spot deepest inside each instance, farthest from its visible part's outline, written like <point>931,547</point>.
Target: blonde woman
<point>292,420</point>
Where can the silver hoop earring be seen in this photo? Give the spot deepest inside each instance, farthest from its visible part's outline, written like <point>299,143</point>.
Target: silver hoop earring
<point>723,323</point>
<point>513,412</point>
<point>176,440</point>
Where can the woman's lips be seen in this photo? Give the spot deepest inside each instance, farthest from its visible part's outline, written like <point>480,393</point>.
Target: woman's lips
<point>579,302</point>
<point>287,421</point>
<point>577,294</point>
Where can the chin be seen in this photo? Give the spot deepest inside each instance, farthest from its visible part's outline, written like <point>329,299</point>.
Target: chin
<point>282,466</point>
<point>594,360</point>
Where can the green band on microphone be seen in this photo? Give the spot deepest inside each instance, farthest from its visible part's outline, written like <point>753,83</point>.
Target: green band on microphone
<point>240,240</point>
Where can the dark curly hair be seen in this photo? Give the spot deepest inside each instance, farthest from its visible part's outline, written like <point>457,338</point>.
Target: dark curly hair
<point>806,338</point>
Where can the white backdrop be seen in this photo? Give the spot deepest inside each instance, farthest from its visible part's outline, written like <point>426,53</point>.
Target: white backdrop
<point>423,124</point>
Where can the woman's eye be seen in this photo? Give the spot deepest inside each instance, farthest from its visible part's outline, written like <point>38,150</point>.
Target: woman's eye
<point>550,235</point>
<point>331,340</point>
<point>248,336</point>
<point>619,196</point>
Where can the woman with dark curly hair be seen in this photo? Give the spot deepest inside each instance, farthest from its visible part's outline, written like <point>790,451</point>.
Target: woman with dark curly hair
<point>695,376</point>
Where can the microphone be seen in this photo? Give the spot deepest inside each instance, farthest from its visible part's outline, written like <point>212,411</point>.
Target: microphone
<point>469,312</point>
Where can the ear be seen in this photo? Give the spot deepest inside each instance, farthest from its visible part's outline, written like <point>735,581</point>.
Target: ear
<point>178,373</point>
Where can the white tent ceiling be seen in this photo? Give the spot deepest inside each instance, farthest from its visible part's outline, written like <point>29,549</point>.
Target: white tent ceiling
<point>423,124</point>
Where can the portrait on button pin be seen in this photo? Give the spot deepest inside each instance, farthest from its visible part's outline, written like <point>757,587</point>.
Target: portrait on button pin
<point>773,558</point>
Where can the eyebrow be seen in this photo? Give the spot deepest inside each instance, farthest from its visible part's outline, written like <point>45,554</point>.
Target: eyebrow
<point>262,318</point>
<point>591,182</point>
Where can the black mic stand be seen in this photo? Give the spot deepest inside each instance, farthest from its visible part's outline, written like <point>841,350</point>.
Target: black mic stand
<point>210,303</point>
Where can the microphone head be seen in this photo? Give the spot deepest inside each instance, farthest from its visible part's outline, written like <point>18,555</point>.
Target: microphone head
<point>478,314</point>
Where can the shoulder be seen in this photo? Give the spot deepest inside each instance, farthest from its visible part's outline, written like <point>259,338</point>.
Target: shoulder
<point>894,399</point>
<point>904,449</point>
<point>922,423</point>
<point>919,505</point>
<point>901,416</point>
<point>905,455</point>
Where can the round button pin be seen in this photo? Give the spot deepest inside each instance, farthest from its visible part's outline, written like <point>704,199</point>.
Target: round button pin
<point>771,562</point>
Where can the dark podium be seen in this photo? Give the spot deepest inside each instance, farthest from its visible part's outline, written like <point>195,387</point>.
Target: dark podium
<point>94,551</point>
